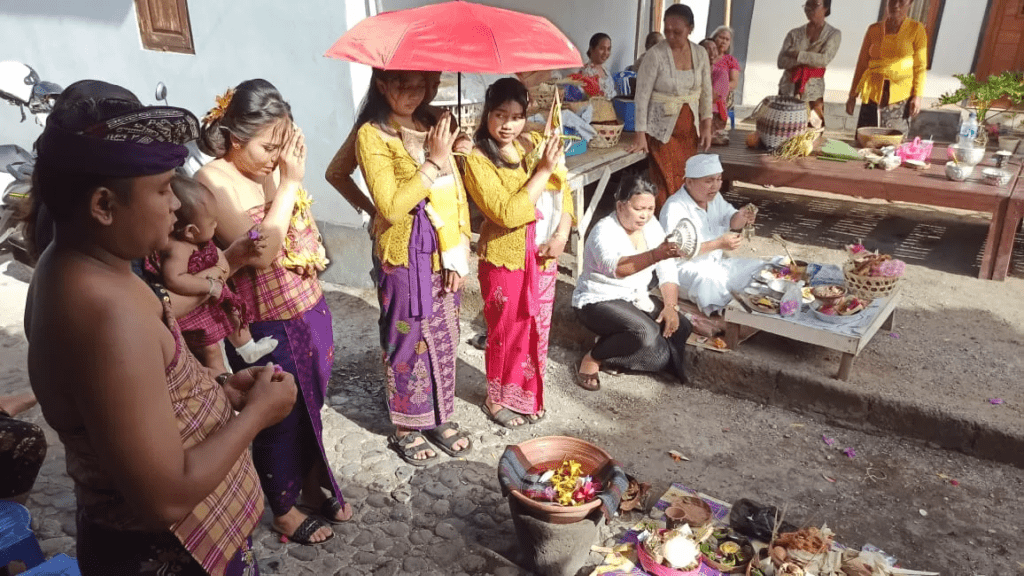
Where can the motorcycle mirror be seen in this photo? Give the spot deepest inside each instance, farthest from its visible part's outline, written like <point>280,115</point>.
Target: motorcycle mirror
<point>161,92</point>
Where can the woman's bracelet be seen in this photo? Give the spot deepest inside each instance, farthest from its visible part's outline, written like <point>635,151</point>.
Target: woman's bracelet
<point>425,175</point>
<point>436,165</point>
<point>223,378</point>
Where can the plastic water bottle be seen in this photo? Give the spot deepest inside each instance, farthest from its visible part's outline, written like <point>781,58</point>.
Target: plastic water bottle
<point>968,131</point>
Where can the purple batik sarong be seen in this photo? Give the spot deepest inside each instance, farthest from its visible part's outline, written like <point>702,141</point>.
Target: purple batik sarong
<point>285,453</point>
<point>419,326</point>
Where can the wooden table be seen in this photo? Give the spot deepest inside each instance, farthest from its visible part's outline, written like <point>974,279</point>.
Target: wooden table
<point>884,315</point>
<point>1012,220</point>
<point>929,187</point>
<point>595,165</point>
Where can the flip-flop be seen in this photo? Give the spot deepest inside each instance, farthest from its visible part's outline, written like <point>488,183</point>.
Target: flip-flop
<point>447,444</point>
<point>407,452</point>
<point>591,382</point>
<point>305,531</point>
<point>504,417</point>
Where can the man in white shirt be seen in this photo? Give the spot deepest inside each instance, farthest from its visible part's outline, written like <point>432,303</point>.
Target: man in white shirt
<point>709,278</point>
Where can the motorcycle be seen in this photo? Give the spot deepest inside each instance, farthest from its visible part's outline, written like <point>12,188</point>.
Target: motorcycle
<point>20,86</point>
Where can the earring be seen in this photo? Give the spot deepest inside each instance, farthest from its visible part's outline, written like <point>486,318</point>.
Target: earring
<point>235,145</point>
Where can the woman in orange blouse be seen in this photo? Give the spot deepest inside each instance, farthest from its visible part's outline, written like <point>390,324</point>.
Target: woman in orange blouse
<point>891,70</point>
<point>519,183</point>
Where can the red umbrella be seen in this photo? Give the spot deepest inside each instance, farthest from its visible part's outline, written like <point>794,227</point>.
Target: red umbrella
<point>457,37</point>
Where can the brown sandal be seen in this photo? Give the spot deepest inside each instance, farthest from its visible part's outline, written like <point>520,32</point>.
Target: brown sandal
<point>591,382</point>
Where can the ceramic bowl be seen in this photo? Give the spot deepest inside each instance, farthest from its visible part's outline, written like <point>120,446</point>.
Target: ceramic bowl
<point>819,293</point>
<point>996,177</point>
<point>958,172</point>
<point>969,156</point>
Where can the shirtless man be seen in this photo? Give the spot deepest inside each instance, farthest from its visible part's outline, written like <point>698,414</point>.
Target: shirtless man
<point>157,454</point>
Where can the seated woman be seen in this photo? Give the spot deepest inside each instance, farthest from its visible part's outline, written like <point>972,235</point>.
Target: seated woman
<point>611,298</point>
<point>710,278</point>
<point>598,52</point>
<point>22,448</point>
<point>805,53</point>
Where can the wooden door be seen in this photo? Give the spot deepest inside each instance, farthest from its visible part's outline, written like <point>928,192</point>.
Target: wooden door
<point>1002,47</point>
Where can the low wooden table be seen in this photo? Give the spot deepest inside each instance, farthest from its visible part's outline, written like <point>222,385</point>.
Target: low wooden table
<point>884,315</point>
<point>851,178</point>
<point>595,165</point>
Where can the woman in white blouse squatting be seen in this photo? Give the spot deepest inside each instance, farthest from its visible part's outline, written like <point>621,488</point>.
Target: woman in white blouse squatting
<point>709,278</point>
<point>612,297</point>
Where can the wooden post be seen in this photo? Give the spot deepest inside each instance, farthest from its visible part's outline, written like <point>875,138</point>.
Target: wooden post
<point>728,12</point>
<point>657,7</point>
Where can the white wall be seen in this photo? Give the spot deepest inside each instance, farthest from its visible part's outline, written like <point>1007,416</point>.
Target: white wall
<point>234,41</point>
<point>954,50</point>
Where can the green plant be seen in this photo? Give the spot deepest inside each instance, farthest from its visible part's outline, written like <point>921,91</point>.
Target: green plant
<point>982,94</point>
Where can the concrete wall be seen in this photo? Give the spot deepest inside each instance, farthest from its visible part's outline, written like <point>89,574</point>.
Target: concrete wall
<point>959,33</point>
<point>234,41</point>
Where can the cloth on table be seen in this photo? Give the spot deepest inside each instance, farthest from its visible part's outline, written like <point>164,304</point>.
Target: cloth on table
<point>513,469</point>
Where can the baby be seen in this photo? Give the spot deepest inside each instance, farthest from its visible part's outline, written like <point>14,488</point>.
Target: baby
<point>192,265</point>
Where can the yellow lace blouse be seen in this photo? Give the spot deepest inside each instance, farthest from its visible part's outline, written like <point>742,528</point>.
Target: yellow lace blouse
<point>505,203</point>
<point>396,188</point>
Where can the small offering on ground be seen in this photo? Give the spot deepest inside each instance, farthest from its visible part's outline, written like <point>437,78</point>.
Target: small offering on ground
<point>564,484</point>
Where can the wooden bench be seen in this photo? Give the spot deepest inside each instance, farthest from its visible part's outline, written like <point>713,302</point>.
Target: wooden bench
<point>929,187</point>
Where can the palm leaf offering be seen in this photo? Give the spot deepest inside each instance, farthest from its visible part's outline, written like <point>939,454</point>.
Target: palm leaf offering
<point>839,150</point>
<point>552,129</point>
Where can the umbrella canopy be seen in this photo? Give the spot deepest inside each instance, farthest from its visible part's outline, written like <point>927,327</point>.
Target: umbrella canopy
<point>457,37</point>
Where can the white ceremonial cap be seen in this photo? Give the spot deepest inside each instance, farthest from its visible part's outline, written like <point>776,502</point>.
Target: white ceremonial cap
<point>701,165</point>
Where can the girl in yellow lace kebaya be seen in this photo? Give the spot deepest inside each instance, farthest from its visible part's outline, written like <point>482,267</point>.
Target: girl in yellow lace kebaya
<point>519,182</point>
<point>421,238</point>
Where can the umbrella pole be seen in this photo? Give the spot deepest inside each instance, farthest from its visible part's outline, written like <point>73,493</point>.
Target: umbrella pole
<point>458,98</point>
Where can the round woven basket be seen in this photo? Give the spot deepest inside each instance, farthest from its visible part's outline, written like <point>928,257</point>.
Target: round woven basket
<point>869,287</point>
<point>779,118</point>
<point>873,137</point>
<point>542,95</point>
<point>657,569</point>
<point>608,134</point>
<point>604,111</point>
<point>549,452</point>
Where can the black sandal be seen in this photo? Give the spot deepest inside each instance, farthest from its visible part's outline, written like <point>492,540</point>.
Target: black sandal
<point>447,444</point>
<point>305,531</point>
<point>329,510</point>
<point>504,417</point>
<point>407,452</point>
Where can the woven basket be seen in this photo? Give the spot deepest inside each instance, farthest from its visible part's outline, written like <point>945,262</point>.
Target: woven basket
<point>603,110</point>
<point>550,451</point>
<point>873,137</point>
<point>779,118</point>
<point>470,113</point>
<point>542,95</point>
<point>608,134</point>
<point>869,287</point>
<point>657,569</point>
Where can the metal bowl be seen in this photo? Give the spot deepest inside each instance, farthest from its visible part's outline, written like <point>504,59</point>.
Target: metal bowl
<point>967,156</point>
<point>995,176</point>
<point>958,172</point>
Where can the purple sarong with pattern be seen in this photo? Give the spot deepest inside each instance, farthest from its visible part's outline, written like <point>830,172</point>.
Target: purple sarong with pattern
<point>419,325</point>
<point>285,452</point>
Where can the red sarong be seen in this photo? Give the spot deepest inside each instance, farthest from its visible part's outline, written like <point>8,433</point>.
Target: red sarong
<point>804,73</point>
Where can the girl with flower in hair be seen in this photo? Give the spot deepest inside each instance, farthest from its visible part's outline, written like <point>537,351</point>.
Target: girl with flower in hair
<point>257,180</point>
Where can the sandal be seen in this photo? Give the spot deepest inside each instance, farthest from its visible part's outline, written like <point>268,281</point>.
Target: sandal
<point>408,452</point>
<point>329,510</point>
<point>447,444</point>
<point>503,417</point>
<point>536,418</point>
<point>305,531</point>
<point>591,382</point>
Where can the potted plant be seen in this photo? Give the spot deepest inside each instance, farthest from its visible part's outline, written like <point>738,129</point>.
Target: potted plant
<point>983,94</point>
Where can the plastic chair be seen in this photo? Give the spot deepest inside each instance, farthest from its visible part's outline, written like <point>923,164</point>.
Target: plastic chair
<point>17,542</point>
<point>59,565</point>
